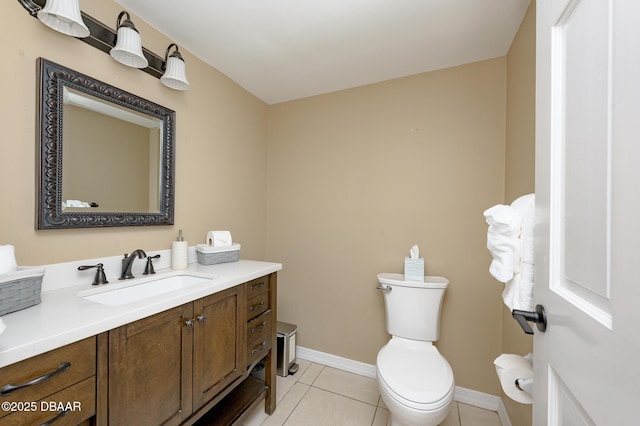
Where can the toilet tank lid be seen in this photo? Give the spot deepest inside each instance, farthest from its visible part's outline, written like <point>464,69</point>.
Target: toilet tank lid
<point>398,279</point>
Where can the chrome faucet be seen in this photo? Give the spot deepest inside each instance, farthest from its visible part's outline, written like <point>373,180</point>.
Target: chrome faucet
<point>127,262</point>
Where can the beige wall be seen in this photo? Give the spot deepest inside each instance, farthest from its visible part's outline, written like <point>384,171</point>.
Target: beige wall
<point>520,164</point>
<point>357,177</point>
<point>221,145</point>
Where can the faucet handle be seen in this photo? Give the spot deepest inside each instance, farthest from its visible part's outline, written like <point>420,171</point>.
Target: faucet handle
<point>149,268</point>
<point>100,277</point>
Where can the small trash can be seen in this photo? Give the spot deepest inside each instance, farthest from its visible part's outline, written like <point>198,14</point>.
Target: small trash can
<point>286,363</point>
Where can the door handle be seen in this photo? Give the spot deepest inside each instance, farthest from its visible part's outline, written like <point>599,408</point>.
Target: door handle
<point>538,317</point>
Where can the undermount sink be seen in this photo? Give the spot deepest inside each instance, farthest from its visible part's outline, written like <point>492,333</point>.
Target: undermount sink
<point>144,290</point>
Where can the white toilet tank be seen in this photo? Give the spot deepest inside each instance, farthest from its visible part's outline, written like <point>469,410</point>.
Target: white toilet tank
<point>413,307</point>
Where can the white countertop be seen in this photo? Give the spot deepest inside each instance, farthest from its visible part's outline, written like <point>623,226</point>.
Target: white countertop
<point>63,317</point>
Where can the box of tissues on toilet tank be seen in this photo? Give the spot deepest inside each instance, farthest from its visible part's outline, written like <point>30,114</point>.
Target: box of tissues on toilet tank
<point>414,265</point>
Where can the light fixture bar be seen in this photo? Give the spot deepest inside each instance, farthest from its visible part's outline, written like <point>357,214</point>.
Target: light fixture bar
<point>101,37</point>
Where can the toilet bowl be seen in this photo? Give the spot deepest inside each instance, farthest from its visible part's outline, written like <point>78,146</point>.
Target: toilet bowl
<point>415,381</point>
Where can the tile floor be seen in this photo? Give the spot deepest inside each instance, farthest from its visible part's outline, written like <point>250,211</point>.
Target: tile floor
<point>318,395</point>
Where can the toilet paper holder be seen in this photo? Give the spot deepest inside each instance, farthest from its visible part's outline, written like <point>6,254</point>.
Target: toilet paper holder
<point>525,385</point>
<point>516,376</point>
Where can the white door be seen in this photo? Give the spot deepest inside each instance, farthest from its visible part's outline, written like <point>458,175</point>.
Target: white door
<point>587,363</point>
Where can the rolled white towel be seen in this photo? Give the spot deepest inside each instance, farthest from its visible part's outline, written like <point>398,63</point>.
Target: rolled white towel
<point>503,242</point>
<point>526,205</point>
<point>518,289</point>
<point>7,259</point>
<point>518,292</point>
<point>219,238</point>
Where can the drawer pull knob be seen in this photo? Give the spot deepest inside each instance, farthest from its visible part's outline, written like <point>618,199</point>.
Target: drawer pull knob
<point>257,285</point>
<point>202,318</point>
<point>189,324</point>
<point>259,327</point>
<point>256,306</point>
<point>60,414</point>
<point>259,348</point>
<point>7,389</point>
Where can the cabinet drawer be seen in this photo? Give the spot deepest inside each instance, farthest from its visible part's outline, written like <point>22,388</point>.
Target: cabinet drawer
<point>79,402</point>
<point>258,349</point>
<point>49,372</point>
<point>257,286</point>
<point>257,305</point>
<point>259,327</point>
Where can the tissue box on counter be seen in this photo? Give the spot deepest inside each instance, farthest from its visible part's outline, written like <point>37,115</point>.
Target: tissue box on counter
<point>414,269</point>
<point>20,289</point>
<point>212,255</point>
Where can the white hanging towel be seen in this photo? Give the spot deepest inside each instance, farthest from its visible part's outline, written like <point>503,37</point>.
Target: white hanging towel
<point>510,241</point>
<point>505,223</point>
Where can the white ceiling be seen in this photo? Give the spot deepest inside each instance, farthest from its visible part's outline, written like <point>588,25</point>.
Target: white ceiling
<point>281,50</point>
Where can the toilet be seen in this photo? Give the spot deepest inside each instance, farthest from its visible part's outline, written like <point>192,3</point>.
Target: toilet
<point>415,380</point>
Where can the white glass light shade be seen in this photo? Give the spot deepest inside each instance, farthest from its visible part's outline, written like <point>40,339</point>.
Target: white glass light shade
<point>128,48</point>
<point>64,16</point>
<point>175,75</point>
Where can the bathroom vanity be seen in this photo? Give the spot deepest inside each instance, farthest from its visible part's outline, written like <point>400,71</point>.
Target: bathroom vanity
<point>183,357</point>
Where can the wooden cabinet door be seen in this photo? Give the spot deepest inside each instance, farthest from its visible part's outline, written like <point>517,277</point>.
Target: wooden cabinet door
<point>150,370</point>
<point>220,343</point>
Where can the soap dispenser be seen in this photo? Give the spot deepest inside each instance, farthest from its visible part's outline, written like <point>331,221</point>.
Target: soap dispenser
<point>179,253</point>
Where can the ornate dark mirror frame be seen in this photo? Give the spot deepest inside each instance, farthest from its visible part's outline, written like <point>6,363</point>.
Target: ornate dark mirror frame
<point>51,79</point>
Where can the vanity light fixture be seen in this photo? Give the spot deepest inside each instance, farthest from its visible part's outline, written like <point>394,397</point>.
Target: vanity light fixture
<point>104,38</point>
<point>175,74</point>
<point>128,48</point>
<point>64,16</point>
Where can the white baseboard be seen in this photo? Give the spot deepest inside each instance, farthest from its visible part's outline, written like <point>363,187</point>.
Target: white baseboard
<point>483,400</point>
<point>477,399</point>
<point>463,395</point>
<point>335,361</point>
<point>502,413</point>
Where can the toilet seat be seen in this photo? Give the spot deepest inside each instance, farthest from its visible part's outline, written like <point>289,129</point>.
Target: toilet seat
<point>415,374</point>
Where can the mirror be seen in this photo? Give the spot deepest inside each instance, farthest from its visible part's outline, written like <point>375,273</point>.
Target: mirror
<point>106,156</point>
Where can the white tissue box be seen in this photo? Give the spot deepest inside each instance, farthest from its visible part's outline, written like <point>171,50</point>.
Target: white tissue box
<point>414,269</point>
<point>212,255</point>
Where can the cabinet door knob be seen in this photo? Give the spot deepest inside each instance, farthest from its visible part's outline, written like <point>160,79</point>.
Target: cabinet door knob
<point>202,318</point>
<point>189,323</point>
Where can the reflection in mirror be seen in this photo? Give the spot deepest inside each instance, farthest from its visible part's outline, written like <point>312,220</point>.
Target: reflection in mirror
<point>106,156</point>
<point>110,158</point>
